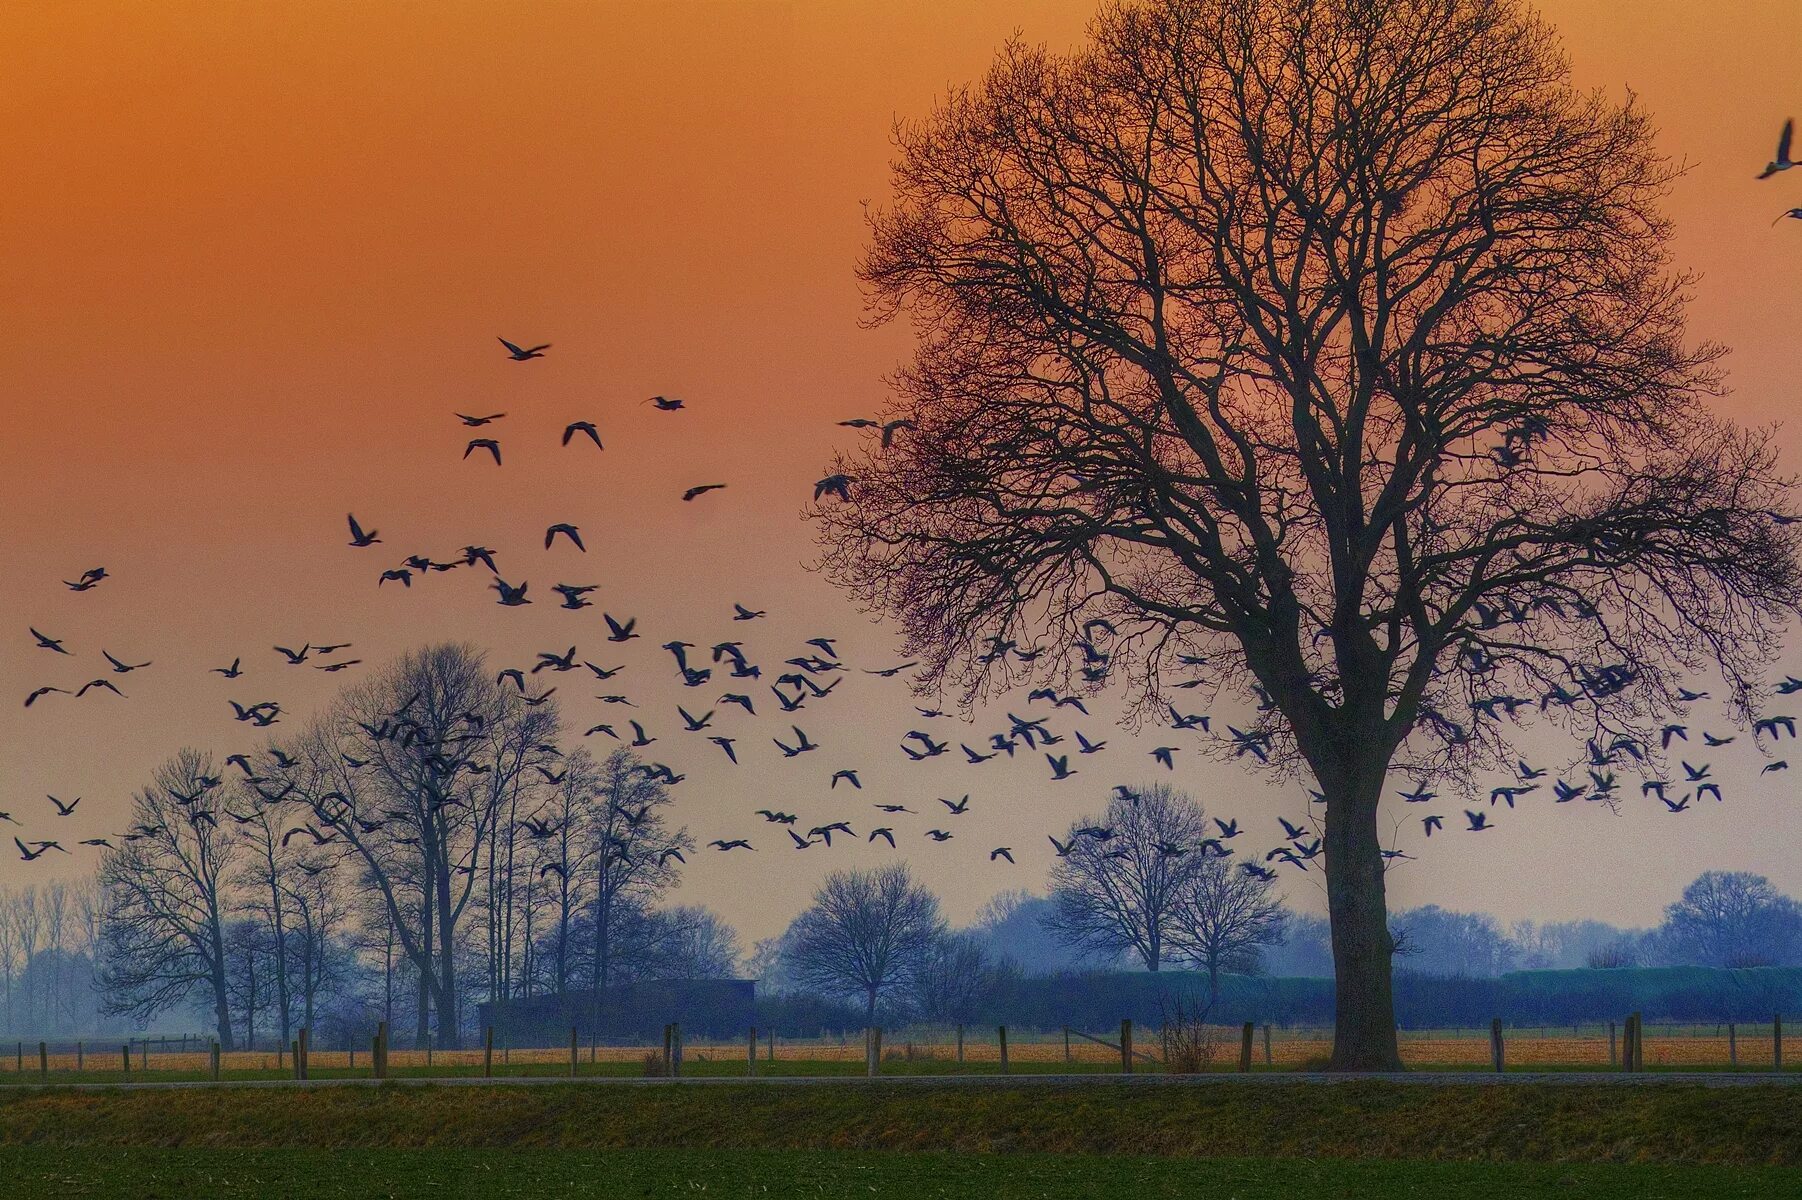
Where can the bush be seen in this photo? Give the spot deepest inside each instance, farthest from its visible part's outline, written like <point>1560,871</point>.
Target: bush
<point>1188,1041</point>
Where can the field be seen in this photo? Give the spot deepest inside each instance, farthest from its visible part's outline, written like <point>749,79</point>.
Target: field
<point>1365,1139</point>
<point>913,1052</point>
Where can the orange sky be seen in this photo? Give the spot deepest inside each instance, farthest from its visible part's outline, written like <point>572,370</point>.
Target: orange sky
<point>255,255</point>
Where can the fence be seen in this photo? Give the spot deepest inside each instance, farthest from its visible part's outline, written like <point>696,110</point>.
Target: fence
<point>1628,1045</point>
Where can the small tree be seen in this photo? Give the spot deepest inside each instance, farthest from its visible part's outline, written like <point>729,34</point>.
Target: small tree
<point>1119,885</point>
<point>864,935</point>
<point>1224,920</point>
<point>953,978</point>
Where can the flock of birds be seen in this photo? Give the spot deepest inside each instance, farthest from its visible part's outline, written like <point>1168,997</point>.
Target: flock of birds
<point>814,674</point>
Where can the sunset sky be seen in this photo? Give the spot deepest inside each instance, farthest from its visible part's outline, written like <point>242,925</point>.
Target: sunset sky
<point>255,256</point>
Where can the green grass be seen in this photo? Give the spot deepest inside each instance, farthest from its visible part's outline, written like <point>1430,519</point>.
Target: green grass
<point>40,1173</point>
<point>1564,1123</point>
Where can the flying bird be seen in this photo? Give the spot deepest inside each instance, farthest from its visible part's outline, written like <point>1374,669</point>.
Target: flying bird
<point>665,403</point>
<point>120,668</point>
<point>1782,161</point>
<point>478,422</point>
<point>834,485</point>
<point>1002,852</point>
<point>489,444</point>
<point>567,530</point>
<point>586,427</point>
<point>359,537</point>
<point>520,355</point>
<point>48,643</point>
<point>701,490</point>
<point>89,578</point>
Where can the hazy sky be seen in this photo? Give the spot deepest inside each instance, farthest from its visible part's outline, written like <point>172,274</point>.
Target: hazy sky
<point>254,256</point>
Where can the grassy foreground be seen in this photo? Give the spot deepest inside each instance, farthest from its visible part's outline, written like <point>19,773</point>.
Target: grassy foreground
<point>1564,1123</point>
<point>39,1173</point>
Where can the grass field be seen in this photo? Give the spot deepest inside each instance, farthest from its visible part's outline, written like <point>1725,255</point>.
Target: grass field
<point>40,1174</point>
<point>1247,1141</point>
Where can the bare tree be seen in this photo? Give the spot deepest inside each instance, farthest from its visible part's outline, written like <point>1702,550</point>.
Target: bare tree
<point>412,770</point>
<point>953,978</point>
<point>1733,919</point>
<point>629,864</point>
<point>1320,351</point>
<point>863,935</point>
<point>1225,917</point>
<point>1121,882</point>
<point>163,935</point>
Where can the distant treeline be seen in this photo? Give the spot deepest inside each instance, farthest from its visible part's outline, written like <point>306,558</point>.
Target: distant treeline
<point>1096,1001</point>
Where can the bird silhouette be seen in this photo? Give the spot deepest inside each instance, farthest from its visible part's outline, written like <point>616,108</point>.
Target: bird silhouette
<point>400,574</point>
<point>99,683</point>
<point>1478,821</point>
<point>572,599</point>
<point>489,444</point>
<point>848,776</point>
<point>741,613</point>
<point>834,485</point>
<point>49,643</point>
<point>63,810</point>
<point>701,490</point>
<point>665,403</point>
<point>88,580</point>
<point>478,422</point>
<point>510,596</point>
<point>1782,161</point>
<point>958,807</point>
<point>734,844</point>
<point>231,672</point>
<point>567,530</point>
<point>1431,823</point>
<point>1060,767</point>
<point>120,668</point>
<point>619,632</point>
<point>1006,852</point>
<point>359,537</point>
<point>584,427</point>
<point>883,832</point>
<point>521,355</point>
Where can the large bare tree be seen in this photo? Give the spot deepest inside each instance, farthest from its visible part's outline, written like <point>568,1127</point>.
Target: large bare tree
<point>1329,348</point>
<point>1225,917</point>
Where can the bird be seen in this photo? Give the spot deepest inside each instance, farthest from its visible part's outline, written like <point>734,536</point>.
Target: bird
<point>63,810</point>
<point>620,633</point>
<point>120,668</point>
<point>1060,767</point>
<point>572,594</point>
<point>520,355</point>
<point>848,776</point>
<point>665,403</point>
<point>360,537</point>
<point>510,596</point>
<point>776,818</point>
<point>1006,852</point>
<point>401,574</point>
<point>1292,832</point>
<point>1793,214</point>
<point>1782,161</point>
<point>885,832</point>
<point>1163,755</point>
<point>959,807</point>
<point>294,657</point>
<point>97,841</point>
<point>98,683</point>
<point>894,808</point>
<point>478,422</point>
<point>1420,795</point>
<point>741,613</point>
<point>701,490</point>
<point>567,530</point>
<point>1085,746</point>
<point>89,578</point>
<point>939,835</point>
<point>26,854</point>
<point>489,444</point>
<point>48,643</point>
<point>587,427</point>
<point>1228,829</point>
<point>834,485</point>
<point>1772,725</point>
<point>479,554</point>
<point>231,672</point>
<point>1062,848</point>
<point>734,844</point>
<point>1431,823</point>
<point>1478,821</point>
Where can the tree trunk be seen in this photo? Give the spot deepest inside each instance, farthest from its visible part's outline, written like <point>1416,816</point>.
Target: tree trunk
<point>1363,991</point>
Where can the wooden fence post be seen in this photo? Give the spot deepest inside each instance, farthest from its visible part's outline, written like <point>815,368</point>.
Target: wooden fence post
<point>675,1038</point>
<point>125,1053</point>
<point>1611,1043</point>
<point>1066,1045</point>
<point>769,1054</point>
<point>751,1052</point>
<point>213,1059</point>
<point>1001,1039</point>
<point>1126,1047</point>
<point>381,1050</point>
<point>1267,1059</point>
<point>1776,1041</point>
<point>1732,1045</point>
<point>872,1050</point>
<point>960,1043</point>
<point>1495,1043</point>
<point>488,1052</point>
<point>80,1058</point>
<point>575,1051</point>
<point>1245,1049</point>
<point>43,1060</point>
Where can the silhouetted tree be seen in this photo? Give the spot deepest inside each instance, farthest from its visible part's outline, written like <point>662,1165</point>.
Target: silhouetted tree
<point>1323,347</point>
<point>1121,892</point>
<point>864,934</point>
<point>1224,920</point>
<point>163,933</point>
<point>1733,919</point>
